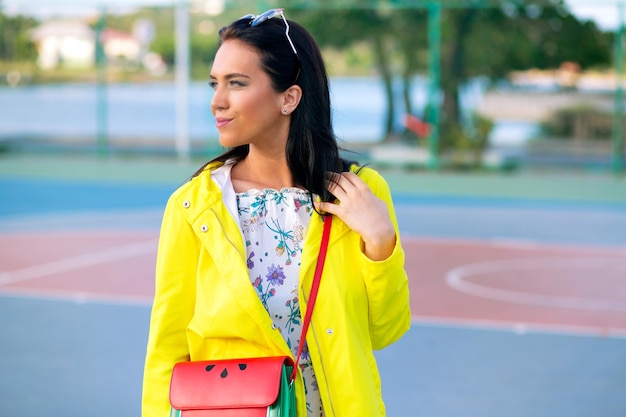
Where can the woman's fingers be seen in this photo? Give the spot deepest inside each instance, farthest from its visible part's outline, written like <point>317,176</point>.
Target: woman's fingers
<point>325,207</point>
<point>344,184</point>
<point>336,184</point>
<point>361,210</point>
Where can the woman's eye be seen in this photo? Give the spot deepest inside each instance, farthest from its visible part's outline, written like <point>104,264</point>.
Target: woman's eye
<point>231,83</point>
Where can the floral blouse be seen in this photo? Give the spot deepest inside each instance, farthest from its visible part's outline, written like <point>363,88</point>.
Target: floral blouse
<point>274,224</point>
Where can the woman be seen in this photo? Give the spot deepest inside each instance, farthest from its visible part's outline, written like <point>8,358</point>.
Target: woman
<point>239,241</point>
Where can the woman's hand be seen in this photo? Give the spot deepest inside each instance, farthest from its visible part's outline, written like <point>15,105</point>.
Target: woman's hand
<point>363,212</point>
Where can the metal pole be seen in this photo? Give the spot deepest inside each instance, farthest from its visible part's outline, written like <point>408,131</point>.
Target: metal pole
<point>618,118</point>
<point>101,92</point>
<point>182,79</point>
<point>434,89</point>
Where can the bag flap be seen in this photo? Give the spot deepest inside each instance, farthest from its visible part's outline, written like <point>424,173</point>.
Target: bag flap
<point>220,384</point>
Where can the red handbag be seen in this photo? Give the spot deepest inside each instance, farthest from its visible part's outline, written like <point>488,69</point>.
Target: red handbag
<point>249,387</point>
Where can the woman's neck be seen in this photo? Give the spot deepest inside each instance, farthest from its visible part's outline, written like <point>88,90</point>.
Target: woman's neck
<point>260,172</point>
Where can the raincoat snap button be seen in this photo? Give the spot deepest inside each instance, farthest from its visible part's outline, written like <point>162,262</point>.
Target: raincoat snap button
<point>329,331</point>
<point>186,204</point>
<point>204,228</point>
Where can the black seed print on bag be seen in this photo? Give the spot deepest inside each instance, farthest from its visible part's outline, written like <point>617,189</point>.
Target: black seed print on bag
<point>224,373</point>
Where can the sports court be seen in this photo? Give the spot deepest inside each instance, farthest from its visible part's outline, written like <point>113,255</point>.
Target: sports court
<point>518,289</point>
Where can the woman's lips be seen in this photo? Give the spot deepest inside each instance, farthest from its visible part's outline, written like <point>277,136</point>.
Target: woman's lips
<point>221,122</point>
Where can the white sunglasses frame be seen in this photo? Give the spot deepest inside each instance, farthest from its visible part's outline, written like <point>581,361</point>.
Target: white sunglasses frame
<point>258,19</point>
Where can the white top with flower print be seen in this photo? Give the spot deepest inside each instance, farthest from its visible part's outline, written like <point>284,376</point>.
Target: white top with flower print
<point>274,224</point>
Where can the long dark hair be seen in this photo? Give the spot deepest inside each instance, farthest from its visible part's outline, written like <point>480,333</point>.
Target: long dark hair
<point>312,149</point>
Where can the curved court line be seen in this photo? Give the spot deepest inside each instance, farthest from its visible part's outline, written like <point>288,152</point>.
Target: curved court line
<point>78,262</point>
<point>455,278</point>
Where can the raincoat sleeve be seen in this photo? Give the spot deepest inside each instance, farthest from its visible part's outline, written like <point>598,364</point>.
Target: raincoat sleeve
<point>386,281</point>
<point>172,309</point>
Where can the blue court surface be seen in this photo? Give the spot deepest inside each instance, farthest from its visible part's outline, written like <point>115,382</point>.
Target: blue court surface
<point>73,356</point>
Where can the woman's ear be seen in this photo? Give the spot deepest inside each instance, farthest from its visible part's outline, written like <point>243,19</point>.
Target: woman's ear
<point>291,98</point>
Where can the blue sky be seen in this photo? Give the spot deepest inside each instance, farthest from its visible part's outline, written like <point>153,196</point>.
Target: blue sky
<point>604,12</point>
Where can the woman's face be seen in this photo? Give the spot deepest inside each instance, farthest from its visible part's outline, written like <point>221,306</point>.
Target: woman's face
<point>247,109</point>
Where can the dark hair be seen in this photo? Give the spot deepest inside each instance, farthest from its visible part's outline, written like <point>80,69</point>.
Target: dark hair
<point>312,148</point>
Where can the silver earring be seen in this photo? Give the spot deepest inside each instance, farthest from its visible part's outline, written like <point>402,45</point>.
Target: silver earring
<point>285,112</point>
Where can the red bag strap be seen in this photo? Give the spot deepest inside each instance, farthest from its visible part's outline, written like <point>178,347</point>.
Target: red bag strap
<point>319,267</point>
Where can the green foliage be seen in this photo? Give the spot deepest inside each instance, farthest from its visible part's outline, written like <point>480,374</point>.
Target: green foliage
<point>473,137</point>
<point>203,48</point>
<point>166,47</point>
<point>580,122</point>
<point>15,42</point>
<point>463,147</point>
<point>542,41</point>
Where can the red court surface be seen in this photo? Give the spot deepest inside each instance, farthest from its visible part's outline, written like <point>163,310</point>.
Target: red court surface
<point>523,286</point>
<point>115,267</point>
<point>459,282</point>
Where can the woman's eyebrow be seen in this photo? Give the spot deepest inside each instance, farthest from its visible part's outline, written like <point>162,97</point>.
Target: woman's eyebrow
<point>233,75</point>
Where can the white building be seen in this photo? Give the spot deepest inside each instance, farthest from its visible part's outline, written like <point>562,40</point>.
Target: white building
<point>72,43</point>
<point>64,42</point>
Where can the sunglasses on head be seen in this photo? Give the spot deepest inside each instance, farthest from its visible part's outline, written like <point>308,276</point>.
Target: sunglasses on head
<point>258,19</point>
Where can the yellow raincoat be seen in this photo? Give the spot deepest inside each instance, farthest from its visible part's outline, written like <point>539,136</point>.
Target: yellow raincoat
<point>206,308</point>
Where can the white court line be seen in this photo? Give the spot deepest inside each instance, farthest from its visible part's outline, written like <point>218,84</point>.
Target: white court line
<point>455,278</point>
<point>77,297</point>
<point>78,262</point>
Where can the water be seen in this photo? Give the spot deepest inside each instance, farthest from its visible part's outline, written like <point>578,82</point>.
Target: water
<point>147,111</point>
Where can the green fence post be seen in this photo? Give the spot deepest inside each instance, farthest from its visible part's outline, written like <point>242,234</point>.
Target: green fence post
<point>102,111</point>
<point>618,118</point>
<point>434,90</point>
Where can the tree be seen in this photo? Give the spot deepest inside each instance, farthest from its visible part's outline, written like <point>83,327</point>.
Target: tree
<point>494,41</point>
<point>15,42</point>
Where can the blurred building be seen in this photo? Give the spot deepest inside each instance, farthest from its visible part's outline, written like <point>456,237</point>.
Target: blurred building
<point>121,46</point>
<point>72,43</point>
<point>64,43</point>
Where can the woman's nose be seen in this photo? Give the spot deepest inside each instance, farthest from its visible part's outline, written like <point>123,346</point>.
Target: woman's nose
<point>219,100</point>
